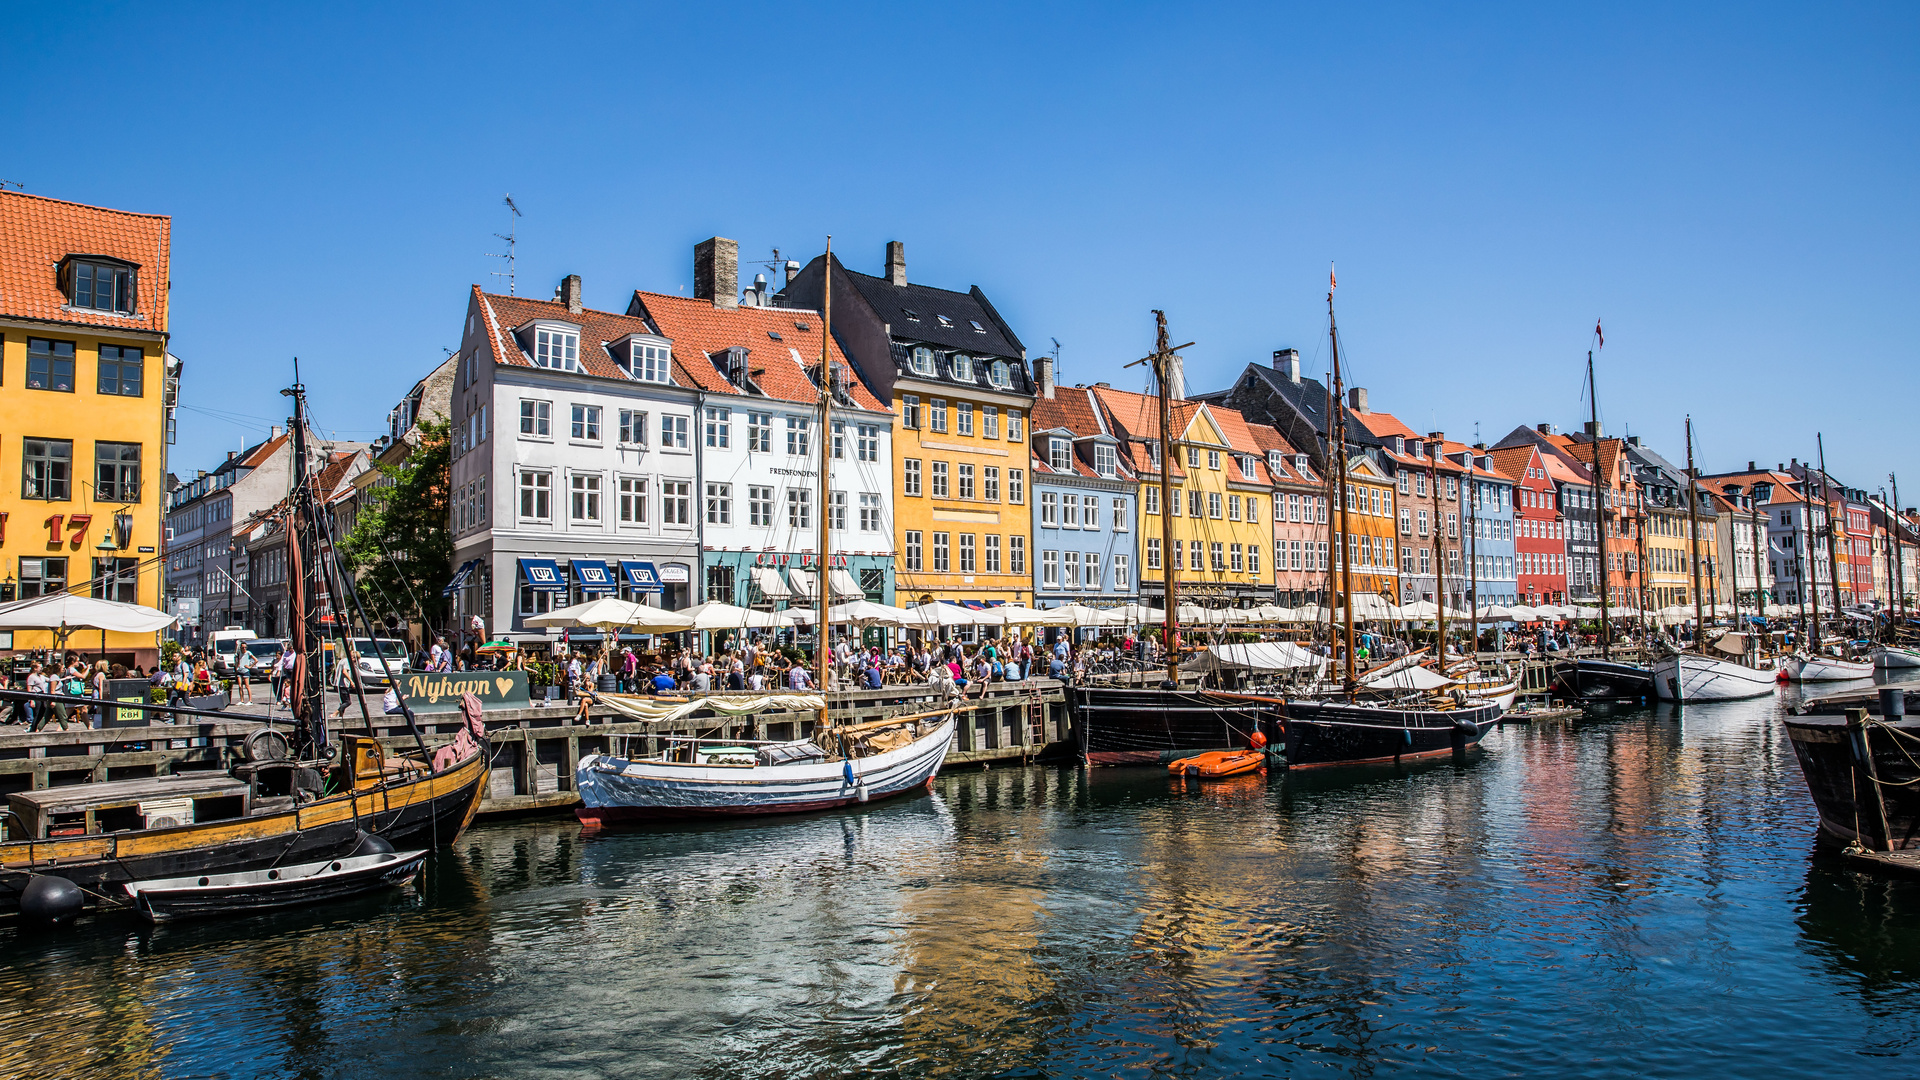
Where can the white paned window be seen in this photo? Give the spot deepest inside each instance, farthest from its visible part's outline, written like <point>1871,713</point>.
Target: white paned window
<point>556,349</point>
<point>676,501</point>
<point>1122,573</point>
<point>719,504</point>
<point>1049,509</point>
<point>966,480</point>
<point>633,427</point>
<point>799,508</point>
<point>719,427</point>
<point>536,495</point>
<point>1093,570</point>
<point>963,414</point>
<point>650,362</point>
<point>993,553</point>
<point>937,414</point>
<point>1106,461</point>
<point>586,497</point>
<point>1016,554</point>
<point>1090,511</point>
<point>673,432</point>
<point>536,419</point>
<point>1013,426</point>
<point>586,423</point>
<point>1070,568</point>
<point>1016,487</point>
<point>869,511</point>
<point>633,500</point>
<point>798,431</point>
<point>759,506</point>
<point>1050,569</point>
<point>990,483</point>
<point>910,476</point>
<point>941,553</point>
<point>1153,553</point>
<point>869,442</point>
<point>989,421</point>
<point>759,432</point>
<point>1121,516</point>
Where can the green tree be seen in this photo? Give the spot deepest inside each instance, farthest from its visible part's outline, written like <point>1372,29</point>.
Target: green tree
<point>400,549</point>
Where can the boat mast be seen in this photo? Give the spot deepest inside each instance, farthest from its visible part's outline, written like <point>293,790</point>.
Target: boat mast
<point>1439,556</point>
<point>1693,548</point>
<point>1826,507</point>
<point>1803,565</point>
<point>822,591</point>
<point>1600,485</point>
<point>1899,601</point>
<point>309,704</point>
<point>1472,488</point>
<point>1328,483</point>
<point>1162,357</point>
<point>1345,551</point>
<point>1733,548</point>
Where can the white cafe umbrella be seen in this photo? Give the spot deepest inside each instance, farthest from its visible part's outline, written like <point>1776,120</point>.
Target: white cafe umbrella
<point>1133,613</point>
<point>64,612</point>
<point>1021,615</point>
<point>717,615</point>
<point>608,615</point>
<point>1079,615</point>
<point>927,616</point>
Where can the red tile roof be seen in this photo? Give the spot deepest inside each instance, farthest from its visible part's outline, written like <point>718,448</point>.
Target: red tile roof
<point>36,233</point>
<point>778,367</point>
<point>1514,461</point>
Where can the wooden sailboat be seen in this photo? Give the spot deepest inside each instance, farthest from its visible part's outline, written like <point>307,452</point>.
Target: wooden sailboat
<point>88,843</point>
<point>836,765</point>
<point>1815,663</point>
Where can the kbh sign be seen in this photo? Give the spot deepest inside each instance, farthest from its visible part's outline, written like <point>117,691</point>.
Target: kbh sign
<point>440,691</point>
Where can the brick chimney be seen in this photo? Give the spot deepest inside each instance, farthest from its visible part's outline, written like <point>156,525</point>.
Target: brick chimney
<point>1287,362</point>
<point>1593,429</point>
<point>1357,399</point>
<point>716,272</point>
<point>1544,429</point>
<point>896,263</point>
<point>1044,365</point>
<point>570,293</point>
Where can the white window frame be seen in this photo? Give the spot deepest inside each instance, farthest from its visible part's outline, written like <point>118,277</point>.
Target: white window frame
<point>556,348</point>
<point>540,416</point>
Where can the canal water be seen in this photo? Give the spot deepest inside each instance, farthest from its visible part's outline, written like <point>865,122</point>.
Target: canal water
<point>1636,894</point>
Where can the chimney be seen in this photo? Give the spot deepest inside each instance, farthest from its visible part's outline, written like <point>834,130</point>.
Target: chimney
<point>231,454</point>
<point>1633,440</point>
<point>1357,399</point>
<point>1438,439</point>
<point>1544,429</point>
<point>273,432</point>
<point>896,263</point>
<point>1045,364</point>
<point>570,293</point>
<point>1593,429</point>
<point>1750,467</point>
<point>1287,362</point>
<point>793,271</point>
<point>716,272</point>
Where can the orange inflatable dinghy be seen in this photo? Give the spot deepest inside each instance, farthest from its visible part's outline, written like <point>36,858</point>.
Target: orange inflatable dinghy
<point>1218,763</point>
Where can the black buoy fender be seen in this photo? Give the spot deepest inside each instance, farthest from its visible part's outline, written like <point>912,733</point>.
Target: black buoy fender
<point>51,901</point>
<point>371,844</point>
<point>1466,726</point>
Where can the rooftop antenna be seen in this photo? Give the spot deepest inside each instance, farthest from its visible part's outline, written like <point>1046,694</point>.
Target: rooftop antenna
<point>513,230</point>
<point>1056,359</point>
<point>15,184</point>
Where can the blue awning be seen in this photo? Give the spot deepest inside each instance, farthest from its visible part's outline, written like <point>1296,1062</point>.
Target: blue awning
<point>460,577</point>
<point>542,575</point>
<point>593,576</point>
<point>641,576</point>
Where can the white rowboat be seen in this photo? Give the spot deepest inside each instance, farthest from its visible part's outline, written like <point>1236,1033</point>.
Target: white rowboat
<point>1690,677</point>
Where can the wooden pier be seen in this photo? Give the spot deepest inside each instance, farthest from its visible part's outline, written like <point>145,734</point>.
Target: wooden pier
<point>534,750</point>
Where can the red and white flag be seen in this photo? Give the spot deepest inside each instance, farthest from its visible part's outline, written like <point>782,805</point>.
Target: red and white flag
<point>1332,281</point>
<point>1598,334</point>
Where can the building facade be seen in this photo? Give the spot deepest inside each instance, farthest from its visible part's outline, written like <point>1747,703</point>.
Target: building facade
<point>1539,548</point>
<point>1086,529</point>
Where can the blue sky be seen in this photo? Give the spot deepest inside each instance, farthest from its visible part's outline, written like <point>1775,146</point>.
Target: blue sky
<point>1730,188</point>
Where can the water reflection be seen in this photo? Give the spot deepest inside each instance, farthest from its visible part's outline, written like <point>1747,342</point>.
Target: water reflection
<point>1630,893</point>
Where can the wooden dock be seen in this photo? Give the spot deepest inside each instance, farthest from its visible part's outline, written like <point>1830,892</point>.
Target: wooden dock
<point>534,750</point>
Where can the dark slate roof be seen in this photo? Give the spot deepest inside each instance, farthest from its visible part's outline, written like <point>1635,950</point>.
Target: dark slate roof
<point>1308,398</point>
<point>913,311</point>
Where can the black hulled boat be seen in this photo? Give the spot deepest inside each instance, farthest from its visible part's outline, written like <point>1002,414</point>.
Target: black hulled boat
<point>1600,680</point>
<point>1318,733</point>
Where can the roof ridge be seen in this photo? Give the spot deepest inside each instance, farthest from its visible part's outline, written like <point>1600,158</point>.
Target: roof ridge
<point>87,206</point>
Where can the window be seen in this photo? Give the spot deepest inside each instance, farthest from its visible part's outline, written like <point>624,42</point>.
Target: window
<point>558,349</point>
<point>990,481</point>
<point>102,287</point>
<point>673,432</point>
<point>1049,509</point>
<point>650,362</point>
<point>1090,511</point>
<point>1233,508</point>
<point>1121,515</point>
<point>922,360</point>
<point>1234,559</point>
<point>1423,523</point>
<point>1001,376</point>
<point>1193,457</point>
<point>910,411</point>
<point>993,553</point>
<point>869,511</point>
<point>49,365</point>
<point>1406,522</point>
<point>798,430</point>
<point>633,427</point>
<point>121,370</point>
<point>759,433</point>
<point>1093,570</point>
<point>1016,486</point>
<point>117,579</point>
<point>760,506</point>
<point>838,448</point>
<point>1193,550</point>
<point>913,550</point>
<point>676,501</point>
<point>1050,569</point>
<point>910,476</point>
<point>1193,503</point>
<point>586,496</point>
<point>116,472</point>
<point>1179,552</point>
<point>720,584</point>
<point>1016,554</point>
<point>1178,500</point>
<point>1013,426</point>
<point>1420,486</point>
<point>989,421</point>
<point>719,427</point>
<point>1057,455</point>
<point>1153,553</point>
<point>940,551</point>
<point>586,423</point>
<point>534,601</point>
<point>1216,549</point>
<point>633,500</point>
<point>966,553</point>
<point>962,367</point>
<point>536,494</point>
<point>1213,460</point>
<point>1070,511</point>
<point>966,481</point>
<point>799,508</point>
<point>1292,559</point>
<point>1253,559</point>
<point>47,469</point>
<point>867,444</point>
<point>963,412</point>
<point>1122,573</point>
<point>1253,511</point>
<point>42,577</point>
<point>937,414</point>
<point>1070,568</point>
<point>719,504</point>
<point>939,479</point>
<point>1153,500</point>
<point>1453,526</point>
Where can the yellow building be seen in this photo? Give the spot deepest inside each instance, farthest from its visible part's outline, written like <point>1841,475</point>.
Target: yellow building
<point>1222,493</point>
<point>86,386</point>
<point>1370,535</point>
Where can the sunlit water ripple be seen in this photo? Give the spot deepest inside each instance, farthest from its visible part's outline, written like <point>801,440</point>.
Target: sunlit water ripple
<point>1636,894</point>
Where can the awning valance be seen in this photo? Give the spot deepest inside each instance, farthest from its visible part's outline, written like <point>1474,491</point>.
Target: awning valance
<point>640,575</point>
<point>542,575</point>
<point>593,575</point>
<point>772,586</point>
<point>460,577</point>
<point>840,580</point>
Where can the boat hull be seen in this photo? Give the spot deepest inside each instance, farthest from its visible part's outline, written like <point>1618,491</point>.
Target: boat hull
<point>1828,752</point>
<point>1895,658</point>
<point>1827,669</point>
<point>1326,733</point>
<point>1147,726</point>
<point>421,814</point>
<point>1689,677</point>
<point>1600,680</point>
<point>244,893</point>
<point>616,790</point>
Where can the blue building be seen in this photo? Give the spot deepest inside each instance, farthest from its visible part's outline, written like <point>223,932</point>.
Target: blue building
<point>1491,545</point>
<point>1086,528</point>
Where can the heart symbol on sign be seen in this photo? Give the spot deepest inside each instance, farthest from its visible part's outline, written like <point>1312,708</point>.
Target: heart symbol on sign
<point>504,685</point>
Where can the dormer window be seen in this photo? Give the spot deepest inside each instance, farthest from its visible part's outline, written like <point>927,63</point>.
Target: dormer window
<point>912,315</point>
<point>556,348</point>
<point>922,359</point>
<point>1419,449</point>
<point>1106,461</point>
<point>99,285</point>
<point>1058,454</point>
<point>1000,375</point>
<point>1399,444</point>
<point>1300,463</point>
<point>945,322</point>
<point>652,361</point>
<point>977,328</point>
<point>1275,460</point>
<point>962,367</point>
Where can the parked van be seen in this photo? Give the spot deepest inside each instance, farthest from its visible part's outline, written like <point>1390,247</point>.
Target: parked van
<point>225,645</point>
<point>379,658</point>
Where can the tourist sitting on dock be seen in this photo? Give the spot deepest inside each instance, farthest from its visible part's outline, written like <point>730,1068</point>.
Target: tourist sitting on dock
<point>662,682</point>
